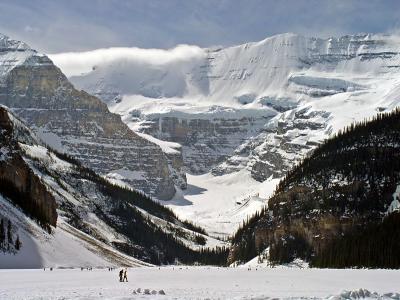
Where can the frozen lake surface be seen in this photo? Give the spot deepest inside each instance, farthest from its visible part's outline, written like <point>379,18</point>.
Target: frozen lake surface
<point>199,283</point>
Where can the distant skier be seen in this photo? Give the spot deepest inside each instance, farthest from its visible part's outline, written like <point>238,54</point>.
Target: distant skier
<point>125,275</point>
<point>121,273</point>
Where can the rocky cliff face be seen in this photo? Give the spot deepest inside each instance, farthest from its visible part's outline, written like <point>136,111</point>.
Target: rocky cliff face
<point>77,123</point>
<point>205,142</point>
<point>18,181</point>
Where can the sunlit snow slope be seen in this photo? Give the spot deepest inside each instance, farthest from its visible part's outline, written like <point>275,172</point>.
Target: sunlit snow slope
<point>247,112</point>
<point>65,246</point>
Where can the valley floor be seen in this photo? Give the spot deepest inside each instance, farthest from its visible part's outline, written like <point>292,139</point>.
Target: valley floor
<point>199,283</point>
<point>221,203</point>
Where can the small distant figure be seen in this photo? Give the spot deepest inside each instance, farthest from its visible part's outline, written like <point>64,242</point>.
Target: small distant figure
<point>125,275</point>
<point>121,274</point>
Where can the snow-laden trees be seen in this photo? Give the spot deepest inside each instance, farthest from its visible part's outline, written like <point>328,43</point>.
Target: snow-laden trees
<point>9,239</point>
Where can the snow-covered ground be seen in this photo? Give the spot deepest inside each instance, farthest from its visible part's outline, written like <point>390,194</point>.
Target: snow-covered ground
<point>199,283</point>
<point>221,203</point>
<point>66,246</point>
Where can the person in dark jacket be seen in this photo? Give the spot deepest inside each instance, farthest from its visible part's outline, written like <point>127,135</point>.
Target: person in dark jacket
<point>125,275</point>
<point>121,273</point>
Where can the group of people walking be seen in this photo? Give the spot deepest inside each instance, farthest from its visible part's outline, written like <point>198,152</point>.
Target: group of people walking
<point>123,275</point>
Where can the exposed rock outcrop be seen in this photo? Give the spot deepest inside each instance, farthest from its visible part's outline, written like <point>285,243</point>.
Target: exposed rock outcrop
<point>205,142</point>
<point>17,180</point>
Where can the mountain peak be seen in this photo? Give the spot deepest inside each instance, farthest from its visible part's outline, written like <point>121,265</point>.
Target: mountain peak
<point>9,44</point>
<point>285,35</point>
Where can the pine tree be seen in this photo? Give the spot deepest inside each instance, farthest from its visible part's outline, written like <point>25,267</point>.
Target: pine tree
<point>18,244</point>
<point>2,233</point>
<point>9,233</point>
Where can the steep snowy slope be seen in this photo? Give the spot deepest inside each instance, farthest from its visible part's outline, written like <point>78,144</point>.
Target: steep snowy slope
<point>67,215</point>
<point>64,247</point>
<point>251,109</point>
<point>266,73</point>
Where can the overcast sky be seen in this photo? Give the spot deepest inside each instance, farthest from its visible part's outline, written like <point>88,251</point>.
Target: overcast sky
<point>53,26</point>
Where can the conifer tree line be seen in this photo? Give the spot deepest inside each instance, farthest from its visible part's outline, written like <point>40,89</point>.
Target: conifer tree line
<point>152,243</point>
<point>9,238</point>
<point>375,246</point>
<point>244,238</point>
<point>351,175</point>
<point>134,197</point>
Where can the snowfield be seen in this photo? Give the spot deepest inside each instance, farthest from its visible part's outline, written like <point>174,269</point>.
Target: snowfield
<point>66,246</point>
<point>220,203</point>
<point>200,283</point>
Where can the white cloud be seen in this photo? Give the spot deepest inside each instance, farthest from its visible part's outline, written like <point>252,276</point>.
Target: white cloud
<point>29,28</point>
<point>76,63</point>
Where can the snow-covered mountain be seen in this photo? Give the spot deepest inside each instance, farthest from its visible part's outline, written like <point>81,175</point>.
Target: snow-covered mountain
<point>79,124</point>
<point>251,110</point>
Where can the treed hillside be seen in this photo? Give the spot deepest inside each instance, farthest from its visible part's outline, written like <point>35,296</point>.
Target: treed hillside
<point>146,240</point>
<point>46,185</point>
<point>150,242</point>
<point>134,197</point>
<point>331,209</point>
